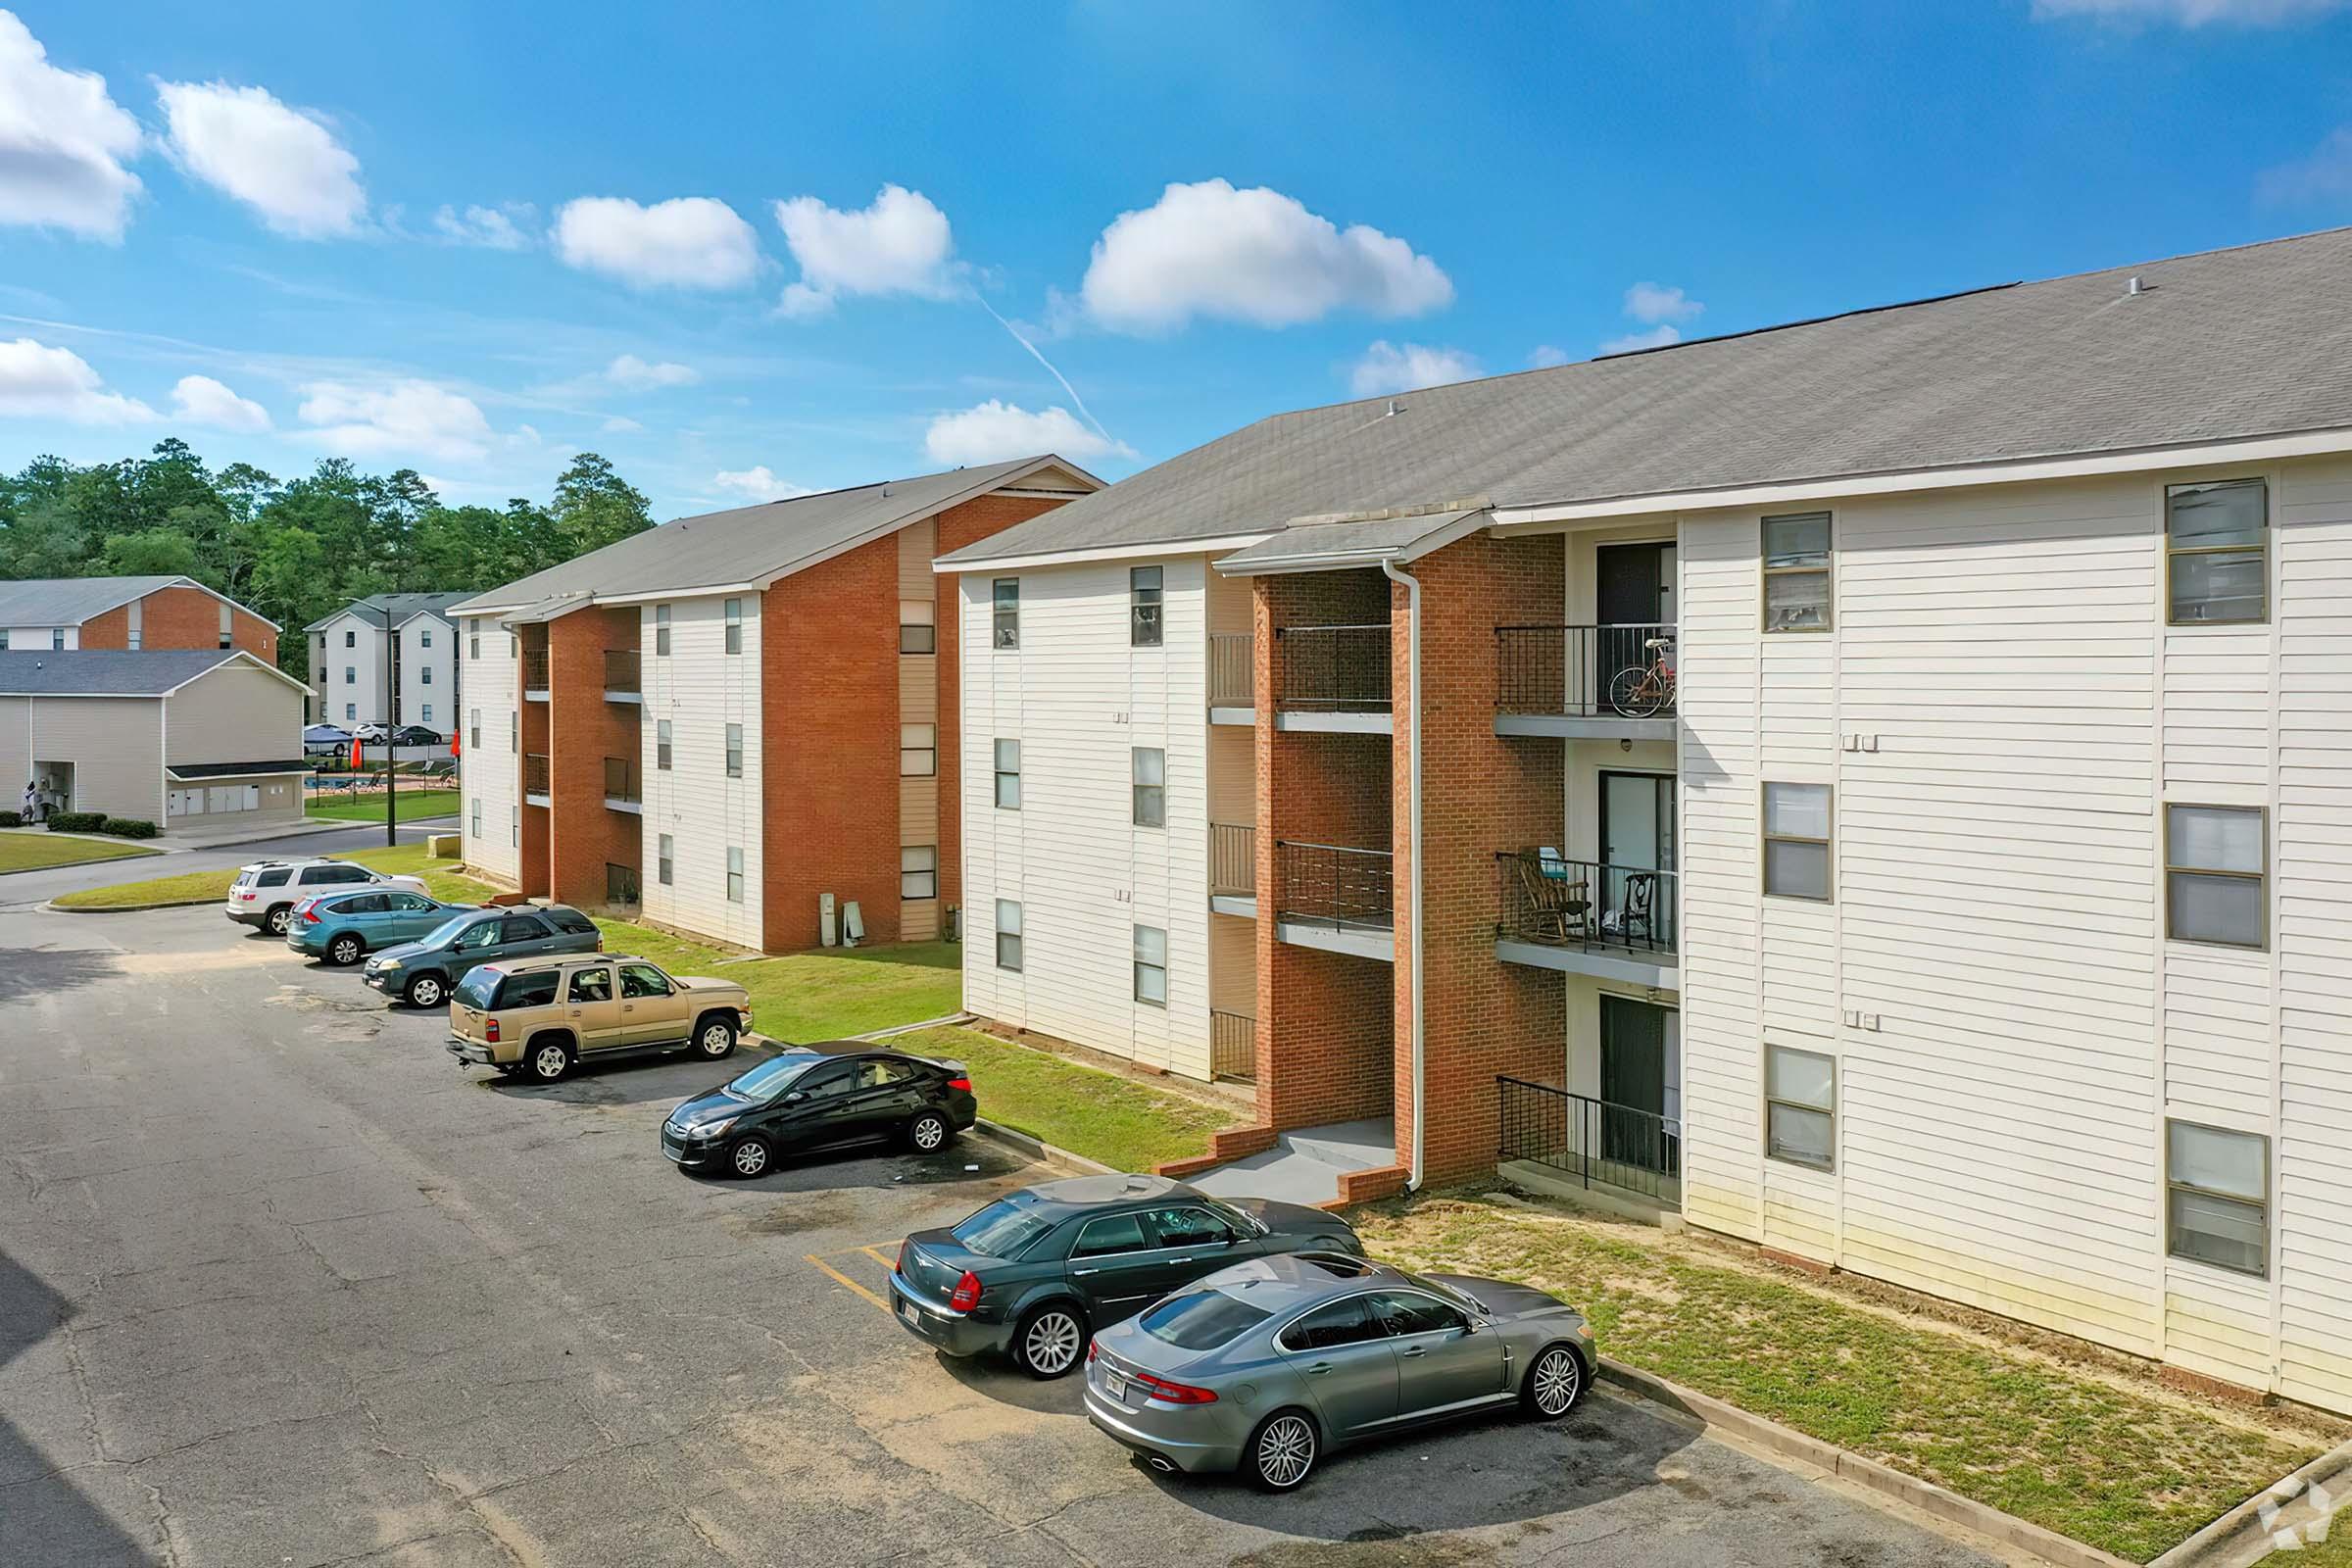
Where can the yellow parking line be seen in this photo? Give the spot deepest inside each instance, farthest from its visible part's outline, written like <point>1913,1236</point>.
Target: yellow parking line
<point>877,1255</point>
<point>838,1278</point>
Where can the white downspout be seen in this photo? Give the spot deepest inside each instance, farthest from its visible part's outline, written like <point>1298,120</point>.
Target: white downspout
<point>1412,586</point>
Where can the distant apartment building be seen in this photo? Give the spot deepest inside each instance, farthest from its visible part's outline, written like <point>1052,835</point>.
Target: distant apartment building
<point>347,651</point>
<point>1875,788</point>
<point>722,720</point>
<point>127,613</point>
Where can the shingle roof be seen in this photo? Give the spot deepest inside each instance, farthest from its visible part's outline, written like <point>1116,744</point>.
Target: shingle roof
<point>1318,543</point>
<point>403,608</point>
<point>71,600</point>
<point>2226,344</point>
<point>106,671</point>
<point>749,544</point>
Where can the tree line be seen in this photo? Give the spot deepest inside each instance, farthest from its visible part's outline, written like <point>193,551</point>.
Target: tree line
<point>298,549</point>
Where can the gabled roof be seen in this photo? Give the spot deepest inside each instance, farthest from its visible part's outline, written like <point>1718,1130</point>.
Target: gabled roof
<point>118,671</point>
<point>753,546</point>
<point>2227,345</point>
<point>404,607</point>
<point>71,600</point>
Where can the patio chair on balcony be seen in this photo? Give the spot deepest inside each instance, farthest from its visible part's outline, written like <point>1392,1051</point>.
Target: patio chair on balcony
<point>1637,914</point>
<point>1556,904</point>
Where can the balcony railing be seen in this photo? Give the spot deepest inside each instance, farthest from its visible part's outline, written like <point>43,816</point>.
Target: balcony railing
<point>1585,904</point>
<point>1585,671</point>
<point>621,671</point>
<point>536,773</point>
<point>623,781</point>
<point>1334,885</point>
<point>1232,669</point>
<point>1233,1045</point>
<point>1232,861</point>
<point>1333,669</point>
<point>534,668</point>
<point>1589,1140</point>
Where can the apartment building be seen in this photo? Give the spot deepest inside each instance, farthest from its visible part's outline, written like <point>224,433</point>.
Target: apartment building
<point>132,614</point>
<point>723,722</point>
<point>1874,788</point>
<point>346,654</point>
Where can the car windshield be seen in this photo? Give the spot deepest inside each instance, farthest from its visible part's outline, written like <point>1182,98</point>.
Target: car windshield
<point>771,1078</point>
<point>1203,1320</point>
<point>1447,1292</point>
<point>446,932</point>
<point>1005,1228</point>
<point>477,987</point>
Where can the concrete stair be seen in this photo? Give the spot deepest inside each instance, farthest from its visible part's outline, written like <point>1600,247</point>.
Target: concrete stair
<point>1303,1166</point>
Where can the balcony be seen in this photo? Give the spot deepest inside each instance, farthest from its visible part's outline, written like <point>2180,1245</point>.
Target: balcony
<point>1232,678</point>
<point>534,672</point>
<point>1616,922</point>
<point>1233,868</point>
<point>535,777</point>
<point>1232,1047</point>
<point>1591,682</point>
<point>1589,1143</point>
<point>1333,678</point>
<point>1336,896</point>
<point>622,680</point>
<point>624,786</point>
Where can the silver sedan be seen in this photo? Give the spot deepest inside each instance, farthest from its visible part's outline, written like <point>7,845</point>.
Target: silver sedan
<point>1265,1366</point>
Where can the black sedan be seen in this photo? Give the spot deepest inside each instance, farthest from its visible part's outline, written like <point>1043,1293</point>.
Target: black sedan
<point>1036,1272</point>
<point>818,1096</point>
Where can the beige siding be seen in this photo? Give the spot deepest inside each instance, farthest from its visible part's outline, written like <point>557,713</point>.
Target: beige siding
<point>115,745</point>
<point>1233,964</point>
<point>491,774</point>
<point>238,712</point>
<point>918,703</point>
<point>16,750</point>
<point>701,688</point>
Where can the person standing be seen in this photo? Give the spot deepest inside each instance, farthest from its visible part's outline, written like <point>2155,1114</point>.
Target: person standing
<point>33,802</point>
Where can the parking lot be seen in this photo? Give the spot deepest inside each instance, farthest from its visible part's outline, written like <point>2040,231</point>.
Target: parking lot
<point>280,1284</point>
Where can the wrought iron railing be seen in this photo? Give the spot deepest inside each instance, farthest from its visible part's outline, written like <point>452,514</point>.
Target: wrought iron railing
<point>1232,1046</point>
<point>1585,671</point>
<point>1589,1139</point>
<point>534,668</point>
<point>623,669</point>
<point>1232,669</point>
<point>623,780</point>
<point>620,884</point>
<point>1232,861</point>
<point>1334,885</point>
<point>1584,904</point>
<point>536,773</point>
<point>1333,669</point>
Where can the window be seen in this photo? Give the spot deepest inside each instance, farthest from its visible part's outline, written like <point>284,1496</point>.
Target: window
<point>4,639</point>
<point>322,640</point>
<point>918,871</point>
<point>227,631</point>
<point>1329,1328</point>
<point>1149,770</point>
<point>734,876</point>
<point>880,1072</point>
<point>2213,860</point>
<point>661,631</point>
<point>514,731</point>
<point>734,625</point>
<point>481,934</point>
<point>1006,597</point>
<point>522,928</point>
<point>1142,607</point>
<point>661,745</point>
<point>473,730</point>
<point>1797,841</point>
<point>1008,935</point>
<point>1188,1226</point>
<point>477,816</point>
<point>474,645</point>
<point>351,675</point>
<point>823,1082</point>
<point>350,638</point>
<point>515,826</point>
<point>919,633</point>
<point>1151,966</point>
<point>424,637</point>
<point>1404,1312</point>
<point>643,980</point>
<point>1116,1233</point>
<point>534,990</point>
<point>665,848</point>
<point>734,751</point>
<point>918,751</point>
<point>2217,552</point>
<point>1801,1107</point>
<point>351,711</point>
<point>1008,776</point>
<point>591,985</point>
<point>424,676</point>
<point>424,714</point>
<point>2216,1196</point>
<point>1796,572</point>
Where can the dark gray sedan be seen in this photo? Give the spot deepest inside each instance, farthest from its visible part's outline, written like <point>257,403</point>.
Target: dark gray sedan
<point>1265,1366</point>
<point>423,972</point>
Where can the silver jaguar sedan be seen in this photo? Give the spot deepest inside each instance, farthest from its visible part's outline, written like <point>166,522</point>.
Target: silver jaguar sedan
<point>1265,1366</point>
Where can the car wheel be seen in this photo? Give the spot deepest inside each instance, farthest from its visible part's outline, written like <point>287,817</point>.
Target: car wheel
<point>280,918</point>
<point>1554,1383</point>
<point>344,950</point>
<point>548,1061</point>
<point>1050,1341</point>
<point>426,991</point>
<point>928,1133</point>
<point>750,1157</point>
<point>1283,1452</point>
<point>715,1038</point>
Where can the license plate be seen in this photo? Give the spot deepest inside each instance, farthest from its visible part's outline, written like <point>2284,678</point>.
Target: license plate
<point>1116,1386</point>
<point>908,1311</point>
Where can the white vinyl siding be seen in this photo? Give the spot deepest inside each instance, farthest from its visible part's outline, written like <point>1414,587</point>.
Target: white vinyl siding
<point>702,691</point>
<point>491,776</point>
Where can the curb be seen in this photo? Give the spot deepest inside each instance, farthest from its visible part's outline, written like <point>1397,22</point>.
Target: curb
<point>1715,1415</point>
<point>2239,1536</point>
<point>126,909</point>
<point>1038,1149</point>
<point>943,1021</point>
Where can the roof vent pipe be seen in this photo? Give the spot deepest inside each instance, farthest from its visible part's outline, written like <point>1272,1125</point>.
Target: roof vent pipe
<point>2132,288</point>
<point>1393,409</point>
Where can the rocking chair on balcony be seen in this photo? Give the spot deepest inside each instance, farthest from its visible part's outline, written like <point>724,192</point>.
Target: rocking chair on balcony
<point>1552,905</point>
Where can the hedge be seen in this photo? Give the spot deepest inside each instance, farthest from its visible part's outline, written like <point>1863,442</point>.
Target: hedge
<point>127,827</point>
<point>77,821</point>
<point>12,820</point>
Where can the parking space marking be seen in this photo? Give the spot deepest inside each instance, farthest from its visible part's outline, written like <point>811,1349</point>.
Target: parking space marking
<point>838,1278</point>
<point>876,1253</point>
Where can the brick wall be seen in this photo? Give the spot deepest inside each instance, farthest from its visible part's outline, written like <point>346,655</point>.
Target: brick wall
<point>537,824</point>
<point>583,729</point>
<point>181,617</point>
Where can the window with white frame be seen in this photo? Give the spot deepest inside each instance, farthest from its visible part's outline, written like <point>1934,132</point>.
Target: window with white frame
<point>1008,935</point>
<point>57,639</point>
<point>734,751</point>
<point>515,826</point>
<point>734,610</point>
<point>425,675</point>
<point>661,745</point>
<point>1800,1106</point>
<point>477,816</point>
<point>918,871</point>
<point>1796,572</point>
<point>1797,841</point>
<point>661,630</point>
<point>1005,595</point>
<point>664,852</point>
<point>2216,552</point>
<point>424,636</point>
<point>2215,886</point>
<point>351,711</point>
<point>918,751</point>
<point>227,628</point>
<point>351,675</point>
<point>1142,607</point>
<point>473,730</point>
<point>1151,966</point>
<point>2216,1196</point>
<point>918,629</point>
<point>513,729</point>
<point>1150,775</point>
<point>734,876</point>
<point>351,637</point>
<point>1008,776</point>
<point>424,714</point>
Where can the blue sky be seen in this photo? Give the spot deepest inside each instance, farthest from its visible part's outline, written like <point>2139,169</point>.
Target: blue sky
<point>741,251</point>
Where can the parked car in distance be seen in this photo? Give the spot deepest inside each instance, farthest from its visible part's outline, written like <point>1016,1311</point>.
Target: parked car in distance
<point>1038,1272</point>
<point>370,731</point>
<point>1265,1366</point>
<point>818,1096</point>
<point>417,735</point>
<point>535,1018</point>
<point>266,892</point>
<point>342,927</point>
<point>423,972</point>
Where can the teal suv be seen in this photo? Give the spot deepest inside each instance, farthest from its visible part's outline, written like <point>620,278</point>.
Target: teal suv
<point>423,973</point>
<point>344,927</point>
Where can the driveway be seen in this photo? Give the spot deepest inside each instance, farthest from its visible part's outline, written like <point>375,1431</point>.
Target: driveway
<point>281,1285</point>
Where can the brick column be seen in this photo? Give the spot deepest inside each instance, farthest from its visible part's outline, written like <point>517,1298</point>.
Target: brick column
<point>583,729</point>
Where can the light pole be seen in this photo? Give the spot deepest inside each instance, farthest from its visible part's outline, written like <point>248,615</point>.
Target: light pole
<point>391,739</point>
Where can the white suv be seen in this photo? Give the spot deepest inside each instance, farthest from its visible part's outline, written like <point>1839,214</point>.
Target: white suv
<point>266,892</point>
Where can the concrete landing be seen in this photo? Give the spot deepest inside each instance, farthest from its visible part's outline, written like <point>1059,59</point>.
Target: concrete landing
<point>1303,1166</point>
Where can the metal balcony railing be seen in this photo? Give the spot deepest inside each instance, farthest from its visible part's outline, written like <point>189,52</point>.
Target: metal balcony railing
<point>1232,861</point>
<point>623,780</point>
<point>1232,669</point>
<point>1589,1140</point>
<point>536,773</point>
<point>1334,885</point>
<point>622,670</point>
<point>1585,671</point>
<point>1232,1046</point>
<point>1584,904</point>
<point>1333,669</point>
<point>534,668</point>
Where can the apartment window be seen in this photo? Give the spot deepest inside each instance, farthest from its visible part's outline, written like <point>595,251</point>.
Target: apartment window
<point>1800,1106</point>
<point>513,729</point>
<point>477,816</point>
<point>1008,935</point>
<point>2217,552</point>
<point>1797,841</point>
<point>350,638</point>
<point>734,751</point>
<point>918,871</point>
<point>227,630</point>
<point>1151,966</point>
<point>515,826</point>
<point>918,631</point>
<point>1149,770</point>
<point>2216,1196</point>
<point>473,730</point>
<point>1142,607</point>
<point>664,850</point>
<point>1796,572</point>
<point>1007,596</point>
<point>1008,776</point>
<point>351,711</point>
<point>57,639</point>
<point>514,645</point>
<point>661,630</point>
<point>2214,861</point>
<point>351,675</point>
<point>424,715</point>
<point>134,639</point>
<point>424,636</point>
<point>473,648</point>
<point>661,745</point>
<point>734,876</point>
<point>424,676</point>
<point>918,751</point>
<point>322,640</point>
<point>734,625</point>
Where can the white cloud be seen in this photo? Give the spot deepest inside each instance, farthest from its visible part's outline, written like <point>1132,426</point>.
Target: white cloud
<point>630,371</point>
<point>1657,337</point>
<point>901,244</point>
<point>621,425</point>
<point>200,400</point>
<point>62,143</point>
<point>685,242</point>
<point>996,430</point>
<point>758,484</point>
<point>1254,256</point>
<point>1546,356</point>
<point>283,163</point>
<point>399,417</point>
<point>1391,367</point>
<point>2189,13</point>
<point>491,227</point>
<point>1650,303</point>
<point>37,381</point>
<point>2324,174</point>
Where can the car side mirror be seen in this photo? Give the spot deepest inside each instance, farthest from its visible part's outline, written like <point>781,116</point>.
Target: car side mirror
<point>795,1098</point>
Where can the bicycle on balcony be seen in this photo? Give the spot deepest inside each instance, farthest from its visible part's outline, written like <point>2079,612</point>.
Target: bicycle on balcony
<point>1639,691</point>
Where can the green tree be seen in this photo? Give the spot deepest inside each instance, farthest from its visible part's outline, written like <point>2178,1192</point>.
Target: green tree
<point>595,506</point>
<point>149,552</point>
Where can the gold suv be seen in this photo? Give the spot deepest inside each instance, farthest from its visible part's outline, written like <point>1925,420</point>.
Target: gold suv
<point>535,1017</point>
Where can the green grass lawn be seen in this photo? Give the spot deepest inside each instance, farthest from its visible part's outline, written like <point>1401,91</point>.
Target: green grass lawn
<point>441,879</point>
<point>2101,1459</point>
<point>33,851</point>
<point>830,993</point>
<point>410,804</point>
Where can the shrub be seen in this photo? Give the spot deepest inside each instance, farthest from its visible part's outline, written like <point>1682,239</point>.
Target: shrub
<point>127,827</point>
<point>12,820</point>
<point>77,821</point>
